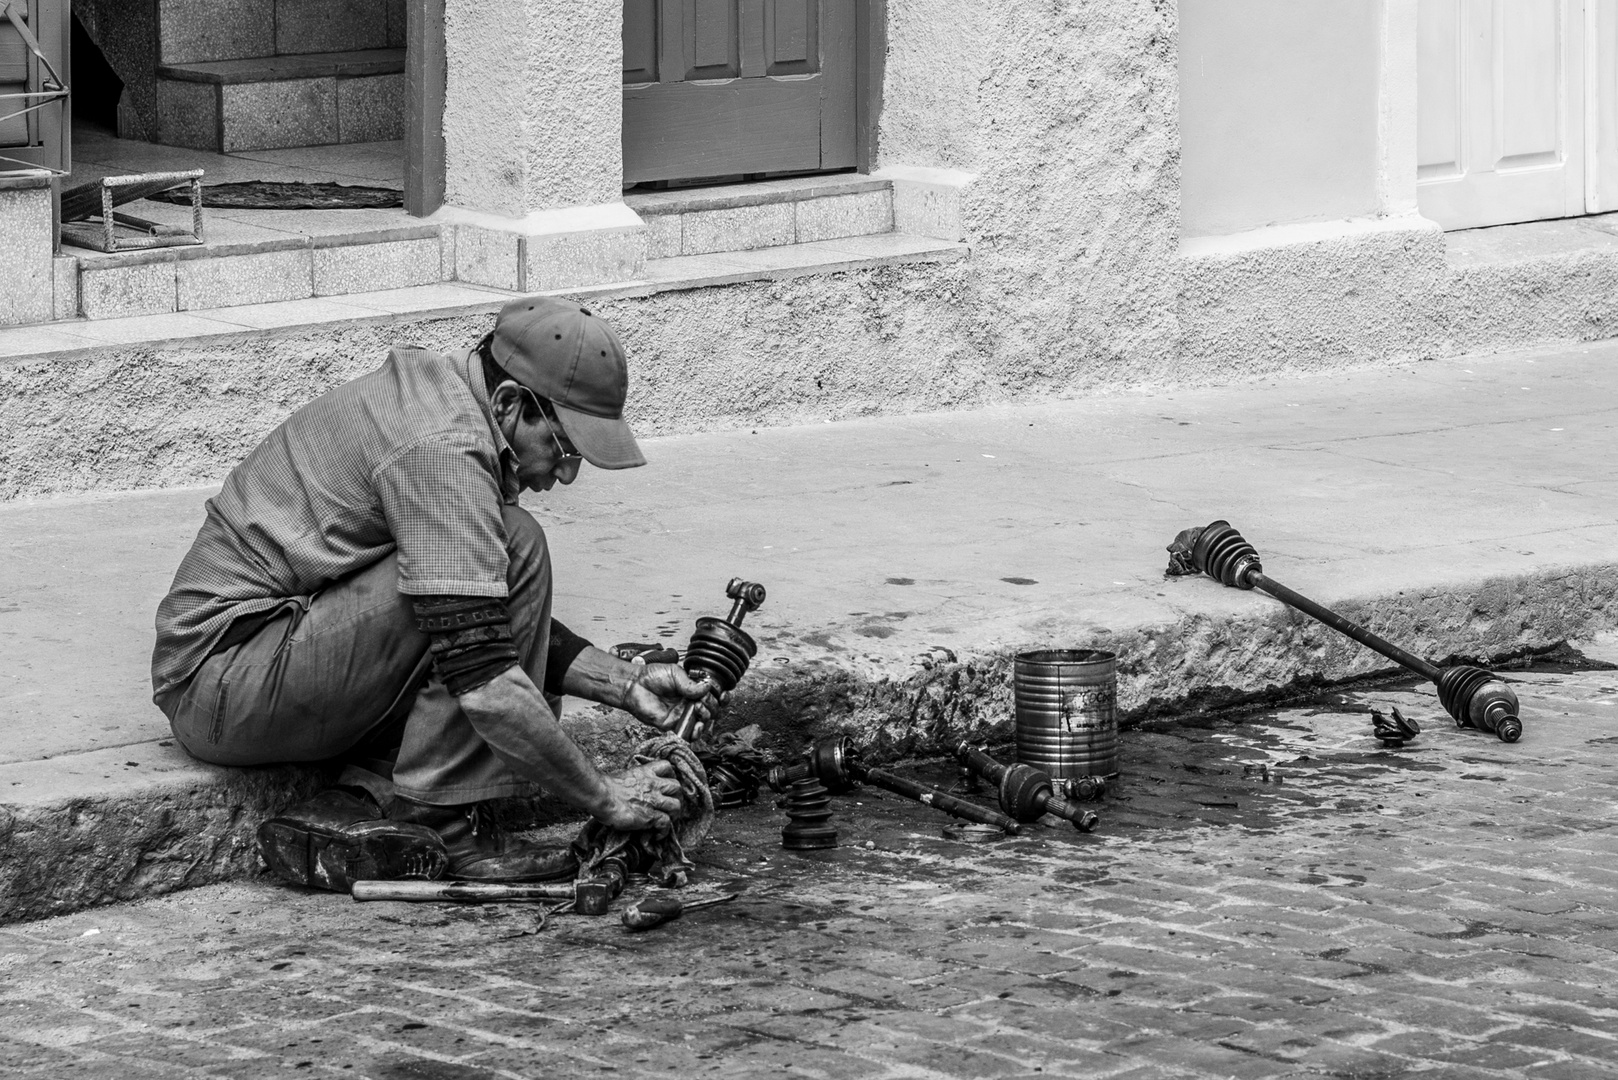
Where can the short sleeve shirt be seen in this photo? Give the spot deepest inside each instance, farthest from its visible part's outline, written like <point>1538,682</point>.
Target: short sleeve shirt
<point>406,459</point>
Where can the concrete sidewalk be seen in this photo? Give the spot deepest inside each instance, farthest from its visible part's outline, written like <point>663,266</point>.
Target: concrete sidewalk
<point>1461,507</point>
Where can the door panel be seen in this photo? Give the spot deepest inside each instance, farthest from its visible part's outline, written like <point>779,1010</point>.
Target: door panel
<point>1500,106</point>
<point>16,64</point>
<point>720,87</point>
<point>1601,23</point>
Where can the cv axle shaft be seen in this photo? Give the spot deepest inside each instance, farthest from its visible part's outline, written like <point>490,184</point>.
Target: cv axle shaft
<point>835,761</point>
<point>1474,696</point>
<point>720,651</point>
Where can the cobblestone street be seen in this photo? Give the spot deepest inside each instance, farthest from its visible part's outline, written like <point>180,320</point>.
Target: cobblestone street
<point>1279,897</point>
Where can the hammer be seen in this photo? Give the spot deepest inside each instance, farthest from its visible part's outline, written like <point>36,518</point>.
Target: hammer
<point>589,897</point>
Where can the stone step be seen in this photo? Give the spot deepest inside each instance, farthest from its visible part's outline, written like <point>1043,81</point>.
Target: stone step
<point>200,31</point>
<point>274,102</point>
<point>261,257</point>
<point>237,272</point>
<point>741,217</point>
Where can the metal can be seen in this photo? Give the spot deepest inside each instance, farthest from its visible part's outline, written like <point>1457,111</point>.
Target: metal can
<point>1067,711</point>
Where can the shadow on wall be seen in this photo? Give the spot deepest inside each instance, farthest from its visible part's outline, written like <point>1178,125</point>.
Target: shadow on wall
<point>116,39</point>
<point>96,86</point>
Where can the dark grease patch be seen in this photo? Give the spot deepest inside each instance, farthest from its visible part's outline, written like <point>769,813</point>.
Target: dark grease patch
<point>1019,581</point>
<point>901,581</point>
<point>418,1069</point>
<point>875,631</point>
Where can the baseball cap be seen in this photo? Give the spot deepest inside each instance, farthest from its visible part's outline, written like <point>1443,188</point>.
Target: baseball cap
<point>567,355</point>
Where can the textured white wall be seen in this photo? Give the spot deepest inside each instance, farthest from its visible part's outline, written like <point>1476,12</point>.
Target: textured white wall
<point>1067,112</point>
<point>1280,112</point>
<point>532,104</point>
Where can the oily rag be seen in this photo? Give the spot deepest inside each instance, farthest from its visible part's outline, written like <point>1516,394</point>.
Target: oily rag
<point>660,857</point>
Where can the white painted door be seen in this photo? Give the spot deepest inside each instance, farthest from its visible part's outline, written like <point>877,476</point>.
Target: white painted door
<point>1601,122</point>
<point>1501,107</point>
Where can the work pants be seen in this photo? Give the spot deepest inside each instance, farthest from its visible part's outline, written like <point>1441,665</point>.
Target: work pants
<point>345,673</point>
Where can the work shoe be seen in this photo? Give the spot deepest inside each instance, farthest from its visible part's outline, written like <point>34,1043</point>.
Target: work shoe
<point>479,850</point>
<point>337,838</point>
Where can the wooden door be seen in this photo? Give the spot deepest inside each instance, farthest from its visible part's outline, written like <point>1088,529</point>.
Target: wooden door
<point>1501,110</point>
<point>17,77</point>
<point>726,87</point>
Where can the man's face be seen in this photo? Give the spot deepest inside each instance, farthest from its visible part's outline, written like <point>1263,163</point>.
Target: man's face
<point>544,456</point>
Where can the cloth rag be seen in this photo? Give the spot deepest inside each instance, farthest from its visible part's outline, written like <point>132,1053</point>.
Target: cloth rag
<point>661,856</point>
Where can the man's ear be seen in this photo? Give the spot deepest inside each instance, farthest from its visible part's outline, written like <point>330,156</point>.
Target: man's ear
<point>506,401</point>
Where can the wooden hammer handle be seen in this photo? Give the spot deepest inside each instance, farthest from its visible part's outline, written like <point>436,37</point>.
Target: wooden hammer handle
<point>461,891</point>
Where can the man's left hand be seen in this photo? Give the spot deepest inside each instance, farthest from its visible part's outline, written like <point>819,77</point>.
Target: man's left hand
<point>657,694</point>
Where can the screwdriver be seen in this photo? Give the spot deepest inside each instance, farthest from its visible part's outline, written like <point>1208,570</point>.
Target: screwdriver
<point>657,910</point>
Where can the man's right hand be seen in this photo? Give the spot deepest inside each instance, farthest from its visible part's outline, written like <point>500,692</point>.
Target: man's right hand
<point>641,797</point>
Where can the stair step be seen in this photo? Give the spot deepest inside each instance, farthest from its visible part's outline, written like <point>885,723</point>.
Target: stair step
<point>771,213</point>
<point>322,65</point>
<point>252,266</point>
<point>200,31</point>
<point>196,292</point>
<point>276,102</point>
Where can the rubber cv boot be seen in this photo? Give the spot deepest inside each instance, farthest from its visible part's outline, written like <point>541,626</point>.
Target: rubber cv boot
<point>479,850</point>
<point>337,838</point>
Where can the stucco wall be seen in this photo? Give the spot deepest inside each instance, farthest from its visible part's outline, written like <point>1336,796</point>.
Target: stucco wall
<point>1278,111</point>
<point>532,104</point>
<point>1067,113</point>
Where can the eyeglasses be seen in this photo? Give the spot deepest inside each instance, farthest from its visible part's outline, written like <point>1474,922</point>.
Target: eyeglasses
<point>564,445</point>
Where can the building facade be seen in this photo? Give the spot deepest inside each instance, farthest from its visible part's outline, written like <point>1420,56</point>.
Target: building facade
<point>1139,193</point>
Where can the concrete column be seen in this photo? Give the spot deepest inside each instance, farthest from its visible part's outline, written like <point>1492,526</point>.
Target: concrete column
<point>26,280</point>
<point>533,162</point>
<point>1396,120</point>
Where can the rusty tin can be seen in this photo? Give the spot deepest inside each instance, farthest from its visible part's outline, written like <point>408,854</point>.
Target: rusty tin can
<point>1067,712</point>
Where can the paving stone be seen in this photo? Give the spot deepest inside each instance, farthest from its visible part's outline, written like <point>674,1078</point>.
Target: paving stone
<point>319,26</point>
<point>188,114</point>
<point>156,1046</point>
<point>739,229</point>
<point>343,269</point>
<point>371,109</point>
<point>261,277</point>
<point>834,216</point>
<point>141,289</point>
<point>197,31</point>
<point>271,115</point>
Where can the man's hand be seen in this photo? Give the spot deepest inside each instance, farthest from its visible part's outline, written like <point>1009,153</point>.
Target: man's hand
<point>654,694</point>
<point>642,797</point>
<point>657,694</point>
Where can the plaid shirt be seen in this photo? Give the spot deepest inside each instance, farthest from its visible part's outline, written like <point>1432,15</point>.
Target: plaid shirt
<point>407,458</point>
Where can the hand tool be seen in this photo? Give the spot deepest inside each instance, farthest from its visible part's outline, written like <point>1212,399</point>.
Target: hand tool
<point>656,910</point>
<point>835,762</point>
<point>720,651</point>
<point>589,897</point>
<point>1395,730</point>
<point>474,892</point>
<point>1025,793</point>
<point>1474,696</point>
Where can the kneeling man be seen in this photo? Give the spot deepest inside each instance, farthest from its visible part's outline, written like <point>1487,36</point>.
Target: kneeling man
<point>366,589</point>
